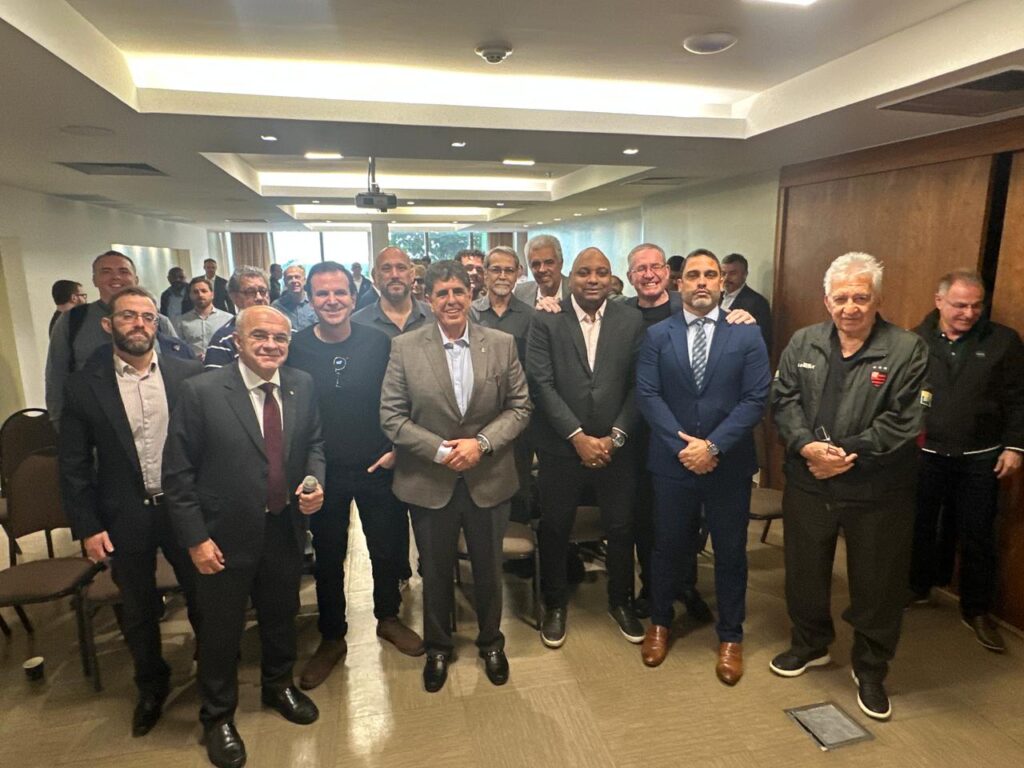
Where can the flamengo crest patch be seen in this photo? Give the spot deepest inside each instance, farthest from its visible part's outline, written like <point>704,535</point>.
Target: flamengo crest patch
<point>879,375</point>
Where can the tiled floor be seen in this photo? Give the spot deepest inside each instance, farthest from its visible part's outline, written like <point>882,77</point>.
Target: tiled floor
<point>592,703</point>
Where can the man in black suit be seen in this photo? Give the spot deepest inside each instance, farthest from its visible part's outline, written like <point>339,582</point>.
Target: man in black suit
<point>363,291</point>
<point>175,301</point>
<point>581,366</point>
<point>738,295</point>
<point>221,300</point>
<point>111,442</point>
<point>241,440</point>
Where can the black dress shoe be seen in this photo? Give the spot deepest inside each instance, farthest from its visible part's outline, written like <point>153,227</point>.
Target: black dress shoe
<point>496,666</point>
<point>224,747</point>
<point>435,672</point>
<point>629,625</point>
<point>696,608</point>
<point>147,712</point>
<point>293,704</point>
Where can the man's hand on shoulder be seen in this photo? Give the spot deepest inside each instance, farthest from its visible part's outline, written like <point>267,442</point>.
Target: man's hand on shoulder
<point>549,304</point>
<point>740,317</point>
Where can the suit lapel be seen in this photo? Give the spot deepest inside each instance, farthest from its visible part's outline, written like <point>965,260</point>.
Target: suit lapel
<point>108,395</point>
<point>241,403</point>
<point>680,346</point>
<point>718,342</point>
<point>290,413</point>
<point>478,358</point>
<point>604,339</point>
<point>435,354</point>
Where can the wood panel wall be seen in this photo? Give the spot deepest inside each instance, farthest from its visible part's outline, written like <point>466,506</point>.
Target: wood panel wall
<point>1008,309</point>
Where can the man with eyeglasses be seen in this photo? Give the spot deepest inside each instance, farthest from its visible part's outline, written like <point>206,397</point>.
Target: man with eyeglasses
<point>78,333</point>
<point>248,287</point>
<point>974,437</point>
<point>473,260</point>
<point>347,362</point>
<point>848,401</point>
<point>396,311</point>
<point>242,470</point>
<point>113,430</point>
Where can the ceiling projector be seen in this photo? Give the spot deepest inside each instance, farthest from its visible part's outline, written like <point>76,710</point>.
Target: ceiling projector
<point>373,197</point>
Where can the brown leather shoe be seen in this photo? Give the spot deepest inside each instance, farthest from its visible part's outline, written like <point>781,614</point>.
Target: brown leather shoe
<point>399,635</point>
<point>730,663</point>
<point>655,645</point>
<point>320,664</point>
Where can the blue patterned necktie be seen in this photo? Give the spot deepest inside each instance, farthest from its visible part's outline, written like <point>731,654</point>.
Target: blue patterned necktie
<point>700,352</point>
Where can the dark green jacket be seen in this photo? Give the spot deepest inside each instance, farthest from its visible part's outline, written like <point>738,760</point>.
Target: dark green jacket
<point>879,416</point>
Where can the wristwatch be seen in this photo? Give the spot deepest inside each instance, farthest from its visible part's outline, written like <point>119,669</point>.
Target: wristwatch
<point>712,448</point>
<point>484,443</point>
<point>618,438</point>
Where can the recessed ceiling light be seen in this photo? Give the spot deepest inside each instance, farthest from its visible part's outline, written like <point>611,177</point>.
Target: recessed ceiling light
<point>540,222</point>
<point>791,2</point>
<point>500,205</point>
<point>324,156</point>
<point>577,214</point>
<point>630,151</point>
<point>557,219</point>
<point>458,144</point>
<point>514,161</point>
<point>710,42</point>
<point>315,202</point>
<point>268,137</point>
<point>410,202</point>
<point>602,210</point>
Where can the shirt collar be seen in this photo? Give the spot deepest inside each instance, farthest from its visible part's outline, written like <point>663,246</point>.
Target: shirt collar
<point>253,380</point>
<point>463,338</point>
<point>122,368</point>
<point>582,316</point>
<point>735,293</point>
<point>689,317</point>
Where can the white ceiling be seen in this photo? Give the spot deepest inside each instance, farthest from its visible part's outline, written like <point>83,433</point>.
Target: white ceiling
<point>189,87</point>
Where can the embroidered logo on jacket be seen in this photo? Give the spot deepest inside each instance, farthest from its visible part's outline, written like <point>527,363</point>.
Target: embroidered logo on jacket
<point>879,375</point>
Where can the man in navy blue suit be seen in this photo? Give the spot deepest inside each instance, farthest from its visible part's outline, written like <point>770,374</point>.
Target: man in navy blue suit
<point>702,386</point>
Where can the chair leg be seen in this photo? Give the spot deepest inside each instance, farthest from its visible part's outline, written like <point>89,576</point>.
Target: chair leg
<point>49,544</point>
<point>537,618</point>
<point>89,614</point>
<point>4,628</point>
<point>24,618</point>
<point>764,533</point>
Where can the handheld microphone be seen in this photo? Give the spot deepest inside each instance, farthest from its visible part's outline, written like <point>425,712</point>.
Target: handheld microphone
<point>309,484</point>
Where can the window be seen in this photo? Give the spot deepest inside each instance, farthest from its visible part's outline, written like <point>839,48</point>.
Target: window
<point>438,246</point>
<point>348,248</point>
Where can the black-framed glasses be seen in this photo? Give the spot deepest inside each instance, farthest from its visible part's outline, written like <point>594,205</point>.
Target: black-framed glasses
<point>499,271</point>
<point>340,364</point>
<point>130,316</point>
<point>252,293</point>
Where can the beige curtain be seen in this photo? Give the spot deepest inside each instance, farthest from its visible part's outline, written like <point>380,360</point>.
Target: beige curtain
<point>251,249</point>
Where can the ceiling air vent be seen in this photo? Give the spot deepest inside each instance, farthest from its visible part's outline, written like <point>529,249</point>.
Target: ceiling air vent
<point>988,95</point>
<point>657,181</point>
<point>246,221</point>
<point>94,199</point>
<point>114,169</point>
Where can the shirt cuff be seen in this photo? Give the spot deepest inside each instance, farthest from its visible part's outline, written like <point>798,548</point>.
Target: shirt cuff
<point>574,433</point>
<point>442,453</point>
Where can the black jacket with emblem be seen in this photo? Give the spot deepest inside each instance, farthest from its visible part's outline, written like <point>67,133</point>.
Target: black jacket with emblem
<point>879,417</point>
<point>980,404</point>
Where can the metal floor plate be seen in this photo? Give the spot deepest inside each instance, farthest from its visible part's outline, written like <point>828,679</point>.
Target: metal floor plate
<point>829,725</point>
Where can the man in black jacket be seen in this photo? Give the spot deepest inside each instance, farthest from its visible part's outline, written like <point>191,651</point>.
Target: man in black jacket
<point>739,295</point>
<point>974,437</point>
<point>111,443</point>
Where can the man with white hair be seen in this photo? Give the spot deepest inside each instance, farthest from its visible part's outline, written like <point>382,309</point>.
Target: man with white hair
<point>544,258</point>
<point>848,403</point>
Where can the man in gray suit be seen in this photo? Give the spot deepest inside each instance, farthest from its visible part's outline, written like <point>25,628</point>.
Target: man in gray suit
<point>544,256</point>
<point>453,401</point>
<point>581,363</point>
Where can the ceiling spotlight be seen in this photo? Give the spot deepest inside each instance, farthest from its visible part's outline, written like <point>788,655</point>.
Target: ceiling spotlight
<point>514,161</point>
<point>602,210</point>
<point>577,214</point>
<point>324,156</point>
<point>557,219</point>
<point>410,202</point>
<point>540,222</point>
<point>458,144</point>
<point>315,202</point>
<point>500,205</point>
<point>792,2</point>
<point>630,151</point>
<point>709,42</point>
<point>268,137</point>
<point>494,53</point>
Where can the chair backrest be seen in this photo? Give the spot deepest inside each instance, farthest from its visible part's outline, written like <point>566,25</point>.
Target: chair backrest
<point>33,501</point>
<point>23,433</point>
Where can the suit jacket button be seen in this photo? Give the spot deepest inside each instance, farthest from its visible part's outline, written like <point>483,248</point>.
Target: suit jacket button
<point>145,502</point>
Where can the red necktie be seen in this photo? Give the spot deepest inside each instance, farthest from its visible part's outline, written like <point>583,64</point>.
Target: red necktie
<point>273,443</point>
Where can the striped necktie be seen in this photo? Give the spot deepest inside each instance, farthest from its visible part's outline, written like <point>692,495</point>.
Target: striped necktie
<point>699,363</point>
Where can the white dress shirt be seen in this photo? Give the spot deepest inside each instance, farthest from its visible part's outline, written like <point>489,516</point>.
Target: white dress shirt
<point>692,330</point>
<point>591,327</point>
<point>459,357</point>
<point>253,381</point>
<point>145,404</point>
<point>729,298</point>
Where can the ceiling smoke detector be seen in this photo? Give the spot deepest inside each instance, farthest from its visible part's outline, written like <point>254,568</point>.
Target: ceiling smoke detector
<point>495,53</point>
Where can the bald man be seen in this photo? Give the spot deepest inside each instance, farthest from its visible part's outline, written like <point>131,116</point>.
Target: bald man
<point>581,365</point>
<point>396,311</point>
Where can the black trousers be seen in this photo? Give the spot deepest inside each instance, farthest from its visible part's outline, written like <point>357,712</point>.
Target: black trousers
<point>522,452</point>
<point>386,527</point>
<point>878,536</point>
<point>562,481</point>
<point>437,539</point>
<point>677,516</point>
<point>141,605</point>
<point>962,492</point>
<point>272,581</point>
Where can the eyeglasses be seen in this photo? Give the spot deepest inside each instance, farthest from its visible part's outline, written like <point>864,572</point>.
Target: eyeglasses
<point>340,364</point>
<point>252,293</point>
<point>130,316</point>
<point>419,280</point>
<point>498,271</point>
<point>282,339</point>
<point>643,269</point>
